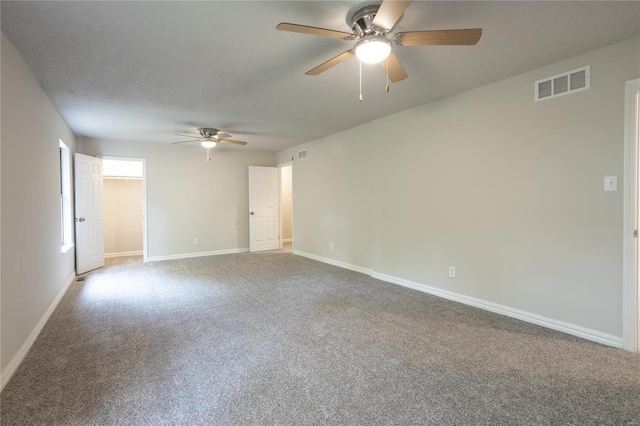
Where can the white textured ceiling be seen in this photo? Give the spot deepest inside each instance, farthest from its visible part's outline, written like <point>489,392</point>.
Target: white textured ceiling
<point>141,71</point>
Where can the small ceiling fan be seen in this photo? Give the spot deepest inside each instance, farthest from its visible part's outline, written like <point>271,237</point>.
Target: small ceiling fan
<point>370,28</point>
<point>209,138</point>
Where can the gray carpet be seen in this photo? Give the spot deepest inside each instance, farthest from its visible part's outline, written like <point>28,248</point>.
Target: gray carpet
<point>273,338</point>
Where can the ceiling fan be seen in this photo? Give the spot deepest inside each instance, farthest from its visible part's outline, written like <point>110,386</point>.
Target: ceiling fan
<point>209,138</point>
<point>370,28</point>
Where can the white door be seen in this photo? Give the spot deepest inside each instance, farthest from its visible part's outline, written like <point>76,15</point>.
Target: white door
<point>264,217</point>
<point>89,238</point>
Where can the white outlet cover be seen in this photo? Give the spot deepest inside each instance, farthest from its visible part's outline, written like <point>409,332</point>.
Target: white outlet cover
<point>452,271</point>
<point>611,183</point>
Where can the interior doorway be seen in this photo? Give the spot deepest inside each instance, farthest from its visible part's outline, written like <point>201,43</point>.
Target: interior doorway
<point>124,201</point>
<point>631,225</point>
<point>286,206</point>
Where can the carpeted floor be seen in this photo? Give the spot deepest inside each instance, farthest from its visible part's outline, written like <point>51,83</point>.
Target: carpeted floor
<point>273,338</point>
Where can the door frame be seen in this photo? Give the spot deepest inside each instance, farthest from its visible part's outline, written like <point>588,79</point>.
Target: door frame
<point>631,290</point>
<point>280,166</point>
<point>145,247</point>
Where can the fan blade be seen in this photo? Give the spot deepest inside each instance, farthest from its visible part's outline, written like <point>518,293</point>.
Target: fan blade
<point>323,32</point>
<point>223,135</point>
<point>192,140</point>
<point>331,63</point>
<point>232,142</point>
<point>389,12</point>
<point>396,71</point>
<point>466,37</point>
<point>194,135</point>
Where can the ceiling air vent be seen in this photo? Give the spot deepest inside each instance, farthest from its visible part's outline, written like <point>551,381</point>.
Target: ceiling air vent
<point>302,154</point>
<point>562,84</point>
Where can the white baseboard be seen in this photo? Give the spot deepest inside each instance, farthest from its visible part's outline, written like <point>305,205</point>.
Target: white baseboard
<point>287,240</point>
<point>199,254</point>
<point>575,330</point>
<point>333,262</point>
<point>123,254</point>
<point>17,359</point>
<point>572,329</point>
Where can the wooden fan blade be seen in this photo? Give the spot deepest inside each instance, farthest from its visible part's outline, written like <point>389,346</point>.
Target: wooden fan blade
<point>466,37</point>
<point>192,140</point>
<point>194,135</point>
<point>232,142</point>
<point>223,135</point>
<point>396,71</point>
<point>389,13</point>
<point>331,63</point>
<point>322,32</point>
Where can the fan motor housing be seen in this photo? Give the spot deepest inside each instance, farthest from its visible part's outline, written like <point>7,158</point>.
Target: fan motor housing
<point>207,132</point>
<point>362,22</point>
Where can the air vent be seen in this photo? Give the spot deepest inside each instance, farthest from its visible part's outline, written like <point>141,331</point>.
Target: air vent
<point>562,84</point>
<point>302,154</point>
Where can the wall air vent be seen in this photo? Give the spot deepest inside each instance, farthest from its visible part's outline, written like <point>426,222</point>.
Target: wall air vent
<point>562,84</point>
<point>302,154</point>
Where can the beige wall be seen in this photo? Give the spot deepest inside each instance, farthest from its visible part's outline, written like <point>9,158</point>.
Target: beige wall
<point>286,204</point>
<point>189,198</point>
<point>122,200</point>
<point>333,201</point>
<point>33,269</point>
<point>507,190</point>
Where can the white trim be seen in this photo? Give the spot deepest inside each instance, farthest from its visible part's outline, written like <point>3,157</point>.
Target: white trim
<point>145,247</point>
<point>123,254</point>
<point>572,329</point>
<point>287,240</point>
<point>199,254</point>
<point>333,262</point>
<point>65,248</point>
<point>630,303</point>
<point>585,333</point>
<point>17,359</point>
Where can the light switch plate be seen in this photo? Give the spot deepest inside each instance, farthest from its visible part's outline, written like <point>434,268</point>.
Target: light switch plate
<point>611,183</point>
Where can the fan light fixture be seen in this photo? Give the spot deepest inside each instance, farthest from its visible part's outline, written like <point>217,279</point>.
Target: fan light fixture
<point>373,49</point>
<point>208,144</point>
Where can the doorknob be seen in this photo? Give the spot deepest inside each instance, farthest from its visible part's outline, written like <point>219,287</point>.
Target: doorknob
<point>81,219</point>
<point>251,213</point>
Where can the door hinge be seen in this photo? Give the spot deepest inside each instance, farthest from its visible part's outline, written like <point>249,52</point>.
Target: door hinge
<point>635,233</point>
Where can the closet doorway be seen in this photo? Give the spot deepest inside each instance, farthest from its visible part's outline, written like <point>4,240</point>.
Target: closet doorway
<point>125,207</point>
<point>286,206</point>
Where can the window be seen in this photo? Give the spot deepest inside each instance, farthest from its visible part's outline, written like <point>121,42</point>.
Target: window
<point>66,221</point>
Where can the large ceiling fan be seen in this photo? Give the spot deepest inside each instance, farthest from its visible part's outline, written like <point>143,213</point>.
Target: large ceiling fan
<point>371,27</point>
<point>209,138</point>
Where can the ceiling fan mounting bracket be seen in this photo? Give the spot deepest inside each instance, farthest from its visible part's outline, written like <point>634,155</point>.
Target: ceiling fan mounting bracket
<point>362,22</point>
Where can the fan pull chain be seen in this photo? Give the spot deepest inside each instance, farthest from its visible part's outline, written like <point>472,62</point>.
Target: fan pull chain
<point>208,156</point>
<point>360,81</point>
<point>387,74</point>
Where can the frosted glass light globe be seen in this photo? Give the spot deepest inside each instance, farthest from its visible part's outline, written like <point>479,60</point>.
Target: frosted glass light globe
<point>373,49</point>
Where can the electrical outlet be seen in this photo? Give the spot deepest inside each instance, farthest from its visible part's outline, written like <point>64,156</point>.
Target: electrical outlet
<point>611,183</point>
<point>195,241</point>
<point>452,272</point>
<point>330,246</point>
